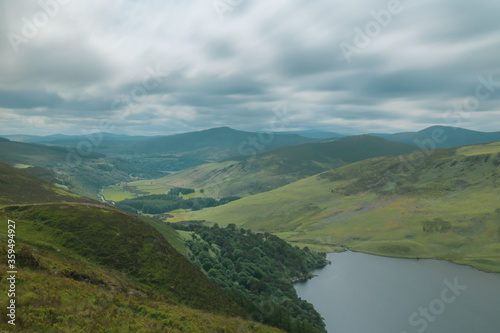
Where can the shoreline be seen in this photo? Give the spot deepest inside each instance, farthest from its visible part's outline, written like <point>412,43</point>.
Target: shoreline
<point>347,249</point>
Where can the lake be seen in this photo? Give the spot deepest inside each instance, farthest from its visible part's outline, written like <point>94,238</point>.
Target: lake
<point>361,293</point>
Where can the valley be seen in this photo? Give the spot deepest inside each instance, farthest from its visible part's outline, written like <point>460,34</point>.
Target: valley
<point>173,247</point>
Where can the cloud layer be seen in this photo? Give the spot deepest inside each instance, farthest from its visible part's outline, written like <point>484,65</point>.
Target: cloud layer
<point>161,67</point>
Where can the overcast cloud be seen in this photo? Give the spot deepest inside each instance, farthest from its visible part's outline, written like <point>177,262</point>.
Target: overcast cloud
<point>166,66</point>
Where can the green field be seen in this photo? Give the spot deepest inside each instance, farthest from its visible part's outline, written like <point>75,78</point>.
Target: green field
<point>187,178</point>
<point>377,206</point>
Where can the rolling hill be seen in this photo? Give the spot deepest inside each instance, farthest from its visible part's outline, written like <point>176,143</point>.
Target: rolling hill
<point>443,204</point>
<point>81,173</point>
<point>86,267</point>
<point>448,137</point>
<point>267,170</point>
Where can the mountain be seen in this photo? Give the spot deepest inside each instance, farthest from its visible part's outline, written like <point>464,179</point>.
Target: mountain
<point>229,140</point>
<point>317,134</point>
<point>440,204</point>
<point>82,266</point>
<point>267,170</point>
<point>443,137</point>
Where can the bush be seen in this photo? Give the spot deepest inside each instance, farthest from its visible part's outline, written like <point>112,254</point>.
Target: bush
<point>436,225</point>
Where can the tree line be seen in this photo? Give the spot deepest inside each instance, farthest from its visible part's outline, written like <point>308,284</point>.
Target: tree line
<point>164,203</point>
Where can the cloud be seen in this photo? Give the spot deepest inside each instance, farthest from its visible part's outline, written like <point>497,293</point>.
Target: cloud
<point>94,60</point>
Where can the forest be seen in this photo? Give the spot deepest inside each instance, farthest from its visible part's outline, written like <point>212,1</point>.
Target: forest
<point>257,270</point>
<point>163,203</point>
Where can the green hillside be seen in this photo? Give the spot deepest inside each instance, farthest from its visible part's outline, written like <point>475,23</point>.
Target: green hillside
<point>445,204</point>
<point>91,268</point>
<point>267,170</point>
<point>19,187</point>
<point>79,173</point>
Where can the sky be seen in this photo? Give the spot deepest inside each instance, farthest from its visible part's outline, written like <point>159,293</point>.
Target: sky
<point>154,67</point>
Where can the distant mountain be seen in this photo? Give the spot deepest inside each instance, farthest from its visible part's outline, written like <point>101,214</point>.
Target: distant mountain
<point>267,170</point>
<point>73,140</point>
<point>442,137</point>
<point>317,134</point>
<point>225,140</point>
<point>173,152</point>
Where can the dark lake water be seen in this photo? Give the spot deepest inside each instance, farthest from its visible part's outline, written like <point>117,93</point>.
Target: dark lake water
<point>361,293</point>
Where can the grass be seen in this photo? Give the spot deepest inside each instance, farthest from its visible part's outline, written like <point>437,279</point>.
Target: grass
<point>18,187</point>
<point>22,166</point>
<point>47,303</point>
<point>98,269</point>
<point>85,267</point>
<point>369,206</point>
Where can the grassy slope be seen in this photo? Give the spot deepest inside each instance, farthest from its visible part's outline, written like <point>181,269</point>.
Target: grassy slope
<point>379,206</point>
<point>247,175</point>
<point>87,267</point>
<point>19,187</point>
